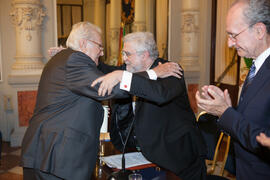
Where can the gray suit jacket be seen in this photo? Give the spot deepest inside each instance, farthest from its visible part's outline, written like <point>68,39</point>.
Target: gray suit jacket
<point>63,134</point>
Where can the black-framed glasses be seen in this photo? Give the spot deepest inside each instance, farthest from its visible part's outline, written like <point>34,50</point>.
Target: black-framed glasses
<point>99,45</point>
<point>234,36</point>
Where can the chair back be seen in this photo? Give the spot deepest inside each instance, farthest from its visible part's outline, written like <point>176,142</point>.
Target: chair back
<point>209,129</point>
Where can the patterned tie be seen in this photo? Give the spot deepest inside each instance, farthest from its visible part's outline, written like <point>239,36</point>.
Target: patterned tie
<point>251,74</point>
<point>248,80</point>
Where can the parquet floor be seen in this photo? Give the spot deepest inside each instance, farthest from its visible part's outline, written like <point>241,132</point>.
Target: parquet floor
<point>10,159</point>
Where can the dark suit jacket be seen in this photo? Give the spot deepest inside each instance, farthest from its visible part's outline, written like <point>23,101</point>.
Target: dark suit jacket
<point>245,122</point>
<point>165,125</point>
<point>63,134</point>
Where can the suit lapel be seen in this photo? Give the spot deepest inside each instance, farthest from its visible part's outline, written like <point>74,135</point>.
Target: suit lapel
<point>262,77</point>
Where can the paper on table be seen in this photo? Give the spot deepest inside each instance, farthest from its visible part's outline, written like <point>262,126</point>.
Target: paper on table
<point>132,159</point>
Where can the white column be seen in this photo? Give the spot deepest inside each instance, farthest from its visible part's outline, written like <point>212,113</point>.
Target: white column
<point>115,23</point>
<point>27,16</point>
<point>190,35</point>
<point>140,16</point>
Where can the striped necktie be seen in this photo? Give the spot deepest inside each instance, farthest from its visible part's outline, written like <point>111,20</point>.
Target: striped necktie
<point>248,80</point>
<point>251,74</point>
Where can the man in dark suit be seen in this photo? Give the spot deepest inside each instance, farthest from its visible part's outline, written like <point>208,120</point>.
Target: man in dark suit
<point>62,139</point>
<point>248,28</point>
<point>165,126</point>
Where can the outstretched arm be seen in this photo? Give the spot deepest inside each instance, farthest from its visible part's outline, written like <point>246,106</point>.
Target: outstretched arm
<point>110,80</point>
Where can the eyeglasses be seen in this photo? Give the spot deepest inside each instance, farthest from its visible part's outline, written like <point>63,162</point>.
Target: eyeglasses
<point>233,37</point>
<point>99,45</point>
<point>128,54</point>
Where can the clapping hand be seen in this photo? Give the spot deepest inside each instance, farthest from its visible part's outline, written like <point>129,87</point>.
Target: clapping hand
<point>213,100</point>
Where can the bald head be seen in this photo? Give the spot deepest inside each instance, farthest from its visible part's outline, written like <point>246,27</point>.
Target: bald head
<point>247,25</point>
<point>235,15</point>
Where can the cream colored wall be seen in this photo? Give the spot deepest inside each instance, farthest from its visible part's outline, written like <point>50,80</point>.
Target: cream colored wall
<point>9,116</point>
<point>202,75</point>
<point>8,51</point>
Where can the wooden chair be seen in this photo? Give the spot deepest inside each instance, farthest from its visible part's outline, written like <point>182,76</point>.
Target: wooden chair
<point>203,116</point>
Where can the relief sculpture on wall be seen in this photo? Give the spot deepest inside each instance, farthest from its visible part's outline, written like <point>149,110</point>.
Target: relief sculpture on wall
<point>27,18</point>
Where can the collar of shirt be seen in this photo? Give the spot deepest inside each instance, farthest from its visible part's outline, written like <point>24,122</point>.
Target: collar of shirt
<point>260,59</point>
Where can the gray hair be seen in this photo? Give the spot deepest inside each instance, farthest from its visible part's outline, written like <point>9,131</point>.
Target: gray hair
<point>81,30</point>
<point>143,41</point>
<point>258,11</point>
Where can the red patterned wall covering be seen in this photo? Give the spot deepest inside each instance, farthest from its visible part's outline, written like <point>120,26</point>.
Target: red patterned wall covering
<point>192,88</point>
<point>26,105</point>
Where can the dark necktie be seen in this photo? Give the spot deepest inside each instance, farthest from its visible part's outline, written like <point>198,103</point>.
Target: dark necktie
<point>248,80</point>
<point>251,74</point>
<point>134,99</point>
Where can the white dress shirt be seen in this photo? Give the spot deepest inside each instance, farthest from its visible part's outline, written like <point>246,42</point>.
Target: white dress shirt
<point>127,76</point>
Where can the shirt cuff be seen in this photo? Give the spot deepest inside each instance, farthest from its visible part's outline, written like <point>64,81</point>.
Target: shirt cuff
<point>126,81</point>
<point>152,74</point>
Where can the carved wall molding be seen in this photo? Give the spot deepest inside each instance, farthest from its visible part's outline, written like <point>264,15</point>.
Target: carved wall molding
<point>190,33</point>
<point>27,66</point>
<point>139,26</point>
<point>28,16</point>
<point>189,25</point>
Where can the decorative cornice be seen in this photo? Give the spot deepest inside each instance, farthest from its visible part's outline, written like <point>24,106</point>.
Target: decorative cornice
<point>24,80</point>
<point>27,66</point>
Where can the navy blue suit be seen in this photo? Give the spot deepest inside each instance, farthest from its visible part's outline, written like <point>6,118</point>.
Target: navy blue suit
<point>245,122</point>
